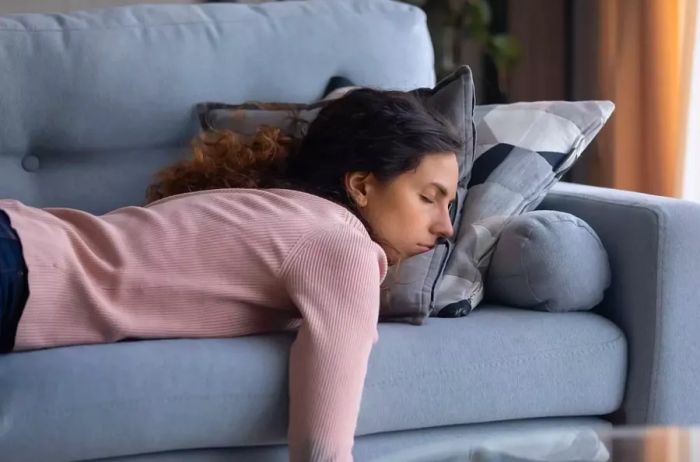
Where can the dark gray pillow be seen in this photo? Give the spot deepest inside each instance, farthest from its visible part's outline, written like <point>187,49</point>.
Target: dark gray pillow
<point>409,291</point>
<point>548,261</point>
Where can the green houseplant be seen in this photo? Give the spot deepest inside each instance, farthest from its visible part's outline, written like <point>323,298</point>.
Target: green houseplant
<point>455,24</point>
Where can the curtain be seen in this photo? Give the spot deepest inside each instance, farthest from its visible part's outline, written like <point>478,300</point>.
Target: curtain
<point>644,50</point>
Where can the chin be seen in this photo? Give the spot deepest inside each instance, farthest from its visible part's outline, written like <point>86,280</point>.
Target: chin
<point>396,260</point>
<point>393,259</point>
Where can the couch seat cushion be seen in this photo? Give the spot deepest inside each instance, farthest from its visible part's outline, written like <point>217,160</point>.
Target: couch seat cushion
<point>146,396</point>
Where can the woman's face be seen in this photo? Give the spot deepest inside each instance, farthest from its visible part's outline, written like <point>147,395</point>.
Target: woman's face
<point>411,212</point>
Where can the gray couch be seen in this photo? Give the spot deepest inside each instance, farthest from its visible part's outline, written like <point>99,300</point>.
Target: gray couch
<point>92,103</point>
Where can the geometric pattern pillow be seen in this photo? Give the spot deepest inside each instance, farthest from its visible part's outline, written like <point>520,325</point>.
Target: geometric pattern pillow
<point>522,150</point>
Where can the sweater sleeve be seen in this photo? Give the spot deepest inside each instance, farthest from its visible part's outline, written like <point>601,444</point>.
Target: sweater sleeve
<point>333,278</point>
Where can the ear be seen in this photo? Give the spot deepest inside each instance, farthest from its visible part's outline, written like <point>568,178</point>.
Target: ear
<point>358,185</point>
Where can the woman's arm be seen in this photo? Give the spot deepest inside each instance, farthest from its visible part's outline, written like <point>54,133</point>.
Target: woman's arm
<point>333,278</point>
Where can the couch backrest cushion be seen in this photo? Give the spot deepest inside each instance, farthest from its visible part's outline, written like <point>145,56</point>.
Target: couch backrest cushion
<point>92,103</point>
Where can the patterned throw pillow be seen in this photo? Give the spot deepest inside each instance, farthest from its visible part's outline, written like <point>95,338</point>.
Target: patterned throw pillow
<point>408,293</point>
<point>522,150</point>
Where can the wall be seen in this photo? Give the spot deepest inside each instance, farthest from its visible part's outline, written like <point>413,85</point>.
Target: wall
<point>539,25</point>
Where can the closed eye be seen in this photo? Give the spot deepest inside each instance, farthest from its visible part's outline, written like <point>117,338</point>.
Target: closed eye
<point>427,200</point>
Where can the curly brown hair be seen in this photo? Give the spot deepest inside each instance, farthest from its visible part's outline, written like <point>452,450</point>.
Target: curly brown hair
<point>382,132</point>
<point>224,159</point>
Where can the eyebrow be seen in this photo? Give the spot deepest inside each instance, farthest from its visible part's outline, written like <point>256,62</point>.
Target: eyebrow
<point>441,188</point>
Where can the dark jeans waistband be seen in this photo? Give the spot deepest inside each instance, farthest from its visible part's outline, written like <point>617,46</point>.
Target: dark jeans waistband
<point>6,229</point>
<point>14,284</point>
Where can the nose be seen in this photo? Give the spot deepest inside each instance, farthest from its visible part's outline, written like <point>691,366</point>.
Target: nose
<point>443,227</point>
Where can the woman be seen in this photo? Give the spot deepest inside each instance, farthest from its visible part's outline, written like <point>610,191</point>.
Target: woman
<point>247,238</point>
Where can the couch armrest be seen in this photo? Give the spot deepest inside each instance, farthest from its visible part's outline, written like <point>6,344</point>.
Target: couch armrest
<point>654,249</point>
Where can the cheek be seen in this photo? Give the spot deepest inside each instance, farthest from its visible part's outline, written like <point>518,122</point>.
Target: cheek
<point>403,222</point>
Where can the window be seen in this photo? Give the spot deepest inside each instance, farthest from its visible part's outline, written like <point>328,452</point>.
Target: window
<point>691,169</point>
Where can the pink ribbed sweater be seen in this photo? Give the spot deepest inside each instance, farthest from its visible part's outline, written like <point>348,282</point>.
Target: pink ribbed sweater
<point>218,263</point>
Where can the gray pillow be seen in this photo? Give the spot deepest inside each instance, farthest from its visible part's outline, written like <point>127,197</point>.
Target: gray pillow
<point>522,151</point>
<point>548,261</point>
